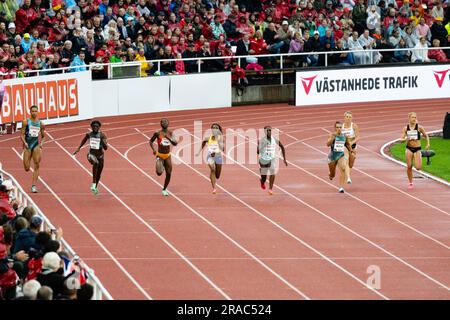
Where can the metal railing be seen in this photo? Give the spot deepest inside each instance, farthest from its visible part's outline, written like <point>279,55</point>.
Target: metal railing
<point>135,66</point>
<point>100,292</point>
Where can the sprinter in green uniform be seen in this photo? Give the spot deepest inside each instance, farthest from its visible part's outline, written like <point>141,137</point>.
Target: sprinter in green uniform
<point>31,130</point>
<point>339,154</point>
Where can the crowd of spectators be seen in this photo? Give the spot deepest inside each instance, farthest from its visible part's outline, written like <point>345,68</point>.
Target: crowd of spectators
<point>47,34</point>
<point>32,264</point>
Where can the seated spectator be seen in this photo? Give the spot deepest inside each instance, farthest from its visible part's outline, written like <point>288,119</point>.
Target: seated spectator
<point>78,62</point>
<point>6,207</point>
<point>342,57</point>
<point>44,293</point>
<point>420,51</point>
<point>402,55</point>
<point>437,54</point>
<point>86,292</point>
<point>296,46</point>
<point>30,289</point>
<point>24,237</point>
<point>51,274</point>
<point>140,56</point>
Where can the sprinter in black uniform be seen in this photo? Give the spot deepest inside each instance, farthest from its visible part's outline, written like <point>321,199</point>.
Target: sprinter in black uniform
<point>96,157</point>
<point>411,134</point>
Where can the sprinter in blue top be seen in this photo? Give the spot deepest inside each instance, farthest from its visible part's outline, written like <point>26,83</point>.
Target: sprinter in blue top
<point>340,148</point>
<point>31,130</point>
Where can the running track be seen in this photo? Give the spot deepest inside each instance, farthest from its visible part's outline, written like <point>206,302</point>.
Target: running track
<point>305,242</point>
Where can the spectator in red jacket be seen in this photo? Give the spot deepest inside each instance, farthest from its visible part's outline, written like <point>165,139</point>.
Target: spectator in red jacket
<point>25,17</point>
<point>437,54</point>
<point>6,208</point>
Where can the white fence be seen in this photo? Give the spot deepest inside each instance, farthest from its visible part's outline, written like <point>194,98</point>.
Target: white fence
<point>100,293</point>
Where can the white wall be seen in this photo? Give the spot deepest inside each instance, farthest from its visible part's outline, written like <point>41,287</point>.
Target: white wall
<point>409,83</point>
<point>196,91</point>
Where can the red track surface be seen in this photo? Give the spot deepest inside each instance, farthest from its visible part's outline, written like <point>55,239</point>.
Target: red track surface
<point>306,241</point>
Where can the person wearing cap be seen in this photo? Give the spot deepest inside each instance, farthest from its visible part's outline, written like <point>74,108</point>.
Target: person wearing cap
<point>97,144</point>
<point>439,32</point>
<point>26,42</point>
<point>11,32</point>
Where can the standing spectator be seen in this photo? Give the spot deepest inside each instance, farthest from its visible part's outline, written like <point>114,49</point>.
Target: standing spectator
<point>373,19</point>
<point>368,43</point>
<point>411,38</point>
<point>78,42</point>
<point>145,67</point>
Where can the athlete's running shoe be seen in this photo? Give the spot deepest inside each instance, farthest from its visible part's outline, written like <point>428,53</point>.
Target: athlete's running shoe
<point>165,193</point>
<point>34,189</point>
<point>349,181</point>
<point>341,190</point>
<point>410,186</point>
<point>93,187</point>
<point>263,185</point>
<point>214,191</point>
<point>270,192</point>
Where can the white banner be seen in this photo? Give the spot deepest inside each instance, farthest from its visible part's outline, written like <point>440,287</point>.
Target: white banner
<point>372,84</point>
<point>59,98</point>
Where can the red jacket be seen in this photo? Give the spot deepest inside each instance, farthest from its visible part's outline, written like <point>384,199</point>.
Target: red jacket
<point>6,207</point>
<point>438,55</point>
<point>24,18</point>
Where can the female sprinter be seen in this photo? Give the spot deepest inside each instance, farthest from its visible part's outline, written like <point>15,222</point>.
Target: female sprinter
<point>214,157</point>
<point>165,139</point>
<point>340,147</point>
<point>351,131</point>
<point>95,156</point>
<point>32,128</point>
<point>266,151</point>
<point>411,134</point>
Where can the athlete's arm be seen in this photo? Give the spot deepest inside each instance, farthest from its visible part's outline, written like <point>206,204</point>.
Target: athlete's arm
<point>348,145</point>
<point>424,133</point>
<point>356,129</point>
<point>104,141</point>
<point>43,136</point>
<point>403,138</point>
<point>172,141</point>
<point>330,139</point>
<point>86,137</point>
<point>283,152</point>
<point>152,139</point>
<point>201,148</point>
<point>22,133</point>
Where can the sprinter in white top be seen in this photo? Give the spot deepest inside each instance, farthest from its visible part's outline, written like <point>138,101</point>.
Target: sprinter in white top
<point>351,131</point>
<point>266,151</point>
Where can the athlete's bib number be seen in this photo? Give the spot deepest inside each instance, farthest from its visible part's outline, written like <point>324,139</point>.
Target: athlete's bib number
<point>339,146</point>
<point>412,135</point>
<point>213,148</point>
<point>270,152</point>
<point>94,143</point>
<point>165,142</point>
<point>34,131</point>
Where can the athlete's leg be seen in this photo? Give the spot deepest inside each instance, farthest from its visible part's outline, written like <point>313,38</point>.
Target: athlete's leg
<point>36,155</point>
<point>168,168</point>
<point>100,165</point>
<point>159,166</point>
<point>409,159</point>
<point>212,173</point>
<point>418,160</point>
<point>342,164</point>
<point>26,159</point>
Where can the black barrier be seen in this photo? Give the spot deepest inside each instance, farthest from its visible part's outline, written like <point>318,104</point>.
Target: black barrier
<point>428,154</point>
<point>446,129</point>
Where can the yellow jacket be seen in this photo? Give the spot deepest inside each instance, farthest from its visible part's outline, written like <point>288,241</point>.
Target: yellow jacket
<point>144,65</point>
